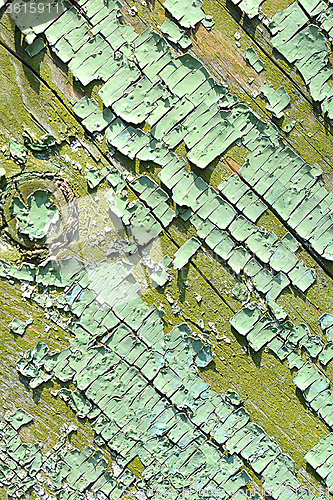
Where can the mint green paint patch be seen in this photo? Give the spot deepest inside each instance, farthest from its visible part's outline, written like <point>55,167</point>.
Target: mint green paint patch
<point>313,345</point>
<point>203,227</point>
<point>38,217</point>
<point>185,42</point>
<point>278,99</point>
<point>160,275</point>
<point>35,47</point>
<point>125,73</point>
<point>84,107</point>
<point>26,272</point>
<point>302,277</point>
<point>17,152</point>
<point>262,281</point>
<point>91,57</point>
<point>289,127</point>
<point>250,7</point>
<point>214,236</point>
<point>252,268</point>
<point>285,23</point>
<point>176,35</point>
<point>295,361</point>
<point>238,258</point>
<point>152,55</point>
<point>279,282</point>
<point>306,376</point>
<point>128,140</point>
<point>95,176</point>
<point>245,319</point>
<point>277,311</point>
<point>326,20</point>
<point>326,321</point>
<point>290,242</point>
<point>70,45</point>
<point>252,58</point>
<point>19,327</point>
<point>225,246</point>
<point>155,198</point>
<point>251,206</point>
<point>98,120</point>
<point>212,142</point>
<point>267,172</point>
<point>262,333</point>
<point>241,229</point>
<point>187,13</point>
<point>283,259</point>
<point>261,244</point>
<point>77,402</point>
<point>117,202</point>
<point>60,27</point>
<point>326,354</point>
<point>19,418</point>
<point>233,188</point>
<point>320,458</point>
<point>163,128</point>
<point>185,252</point>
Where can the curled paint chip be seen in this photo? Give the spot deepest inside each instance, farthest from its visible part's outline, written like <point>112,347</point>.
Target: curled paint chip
<point>278,99</point>
<point>19,327</point>
<point>253,59</point>
<point>185,252</point>
<point>17,152</point>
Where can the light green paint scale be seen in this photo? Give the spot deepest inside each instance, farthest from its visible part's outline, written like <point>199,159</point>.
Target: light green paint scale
<point>185,252</point>
<point>250,7</point>
<point>188,12</point>
<point>278,99</point>
<point>19,327</point>
<point>175,35</point>
<point>252,58</point>
<point>36,218</point>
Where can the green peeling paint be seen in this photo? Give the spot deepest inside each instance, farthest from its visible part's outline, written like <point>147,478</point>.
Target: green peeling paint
<point>17,152</point>
<point>176,35</point>
<point>252,58</point>
<point>250,7</point>
<point>278,99</point>
<point>36,218</point>
<point>136,384</point>
<point>185,252</point>
<point>188,13</point>
<point>19,327</point>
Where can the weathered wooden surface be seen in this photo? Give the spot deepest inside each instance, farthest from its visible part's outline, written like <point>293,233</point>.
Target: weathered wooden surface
<point>41,105</point>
